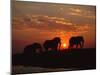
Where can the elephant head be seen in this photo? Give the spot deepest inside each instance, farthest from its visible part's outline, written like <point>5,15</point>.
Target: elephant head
<point>57,42</point>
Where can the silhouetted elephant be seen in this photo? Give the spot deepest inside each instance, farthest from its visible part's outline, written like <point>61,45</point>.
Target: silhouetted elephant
<point>53,44</point>
<point>77,41</point>
<point>33,48</point>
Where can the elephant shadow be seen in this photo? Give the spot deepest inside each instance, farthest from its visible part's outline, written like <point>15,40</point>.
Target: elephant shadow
<point>77,41</point>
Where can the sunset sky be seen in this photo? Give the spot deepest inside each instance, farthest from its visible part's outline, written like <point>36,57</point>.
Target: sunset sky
<point>37,22</point>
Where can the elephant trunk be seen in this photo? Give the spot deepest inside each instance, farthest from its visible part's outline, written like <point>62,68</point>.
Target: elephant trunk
<point>59,46</point>
<point>82,43</point>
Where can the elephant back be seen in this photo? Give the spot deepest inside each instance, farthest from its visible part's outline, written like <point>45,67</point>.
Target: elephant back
<point>31,49</point>
<point>80,38</point>
<point>57,40</point>
<point>47,43</point>
<point>36,46</point>
<point>73,40</point>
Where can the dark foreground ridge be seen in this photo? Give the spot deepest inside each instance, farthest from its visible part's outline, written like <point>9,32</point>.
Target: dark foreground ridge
<point>77,59</point>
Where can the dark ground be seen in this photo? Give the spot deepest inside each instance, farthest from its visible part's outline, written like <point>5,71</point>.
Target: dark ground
<point>76,59</point>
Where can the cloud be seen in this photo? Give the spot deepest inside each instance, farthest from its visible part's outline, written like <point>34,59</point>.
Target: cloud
<point>75,14</point>
<point>83,13</point>
<point>44,24</point>
<point>41,22</point>
<point>77,10</point>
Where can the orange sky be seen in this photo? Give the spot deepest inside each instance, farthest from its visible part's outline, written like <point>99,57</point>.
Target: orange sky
<point>37,22</point>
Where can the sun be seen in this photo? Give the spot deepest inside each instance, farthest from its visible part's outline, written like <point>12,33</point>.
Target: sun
<point>64,45</point>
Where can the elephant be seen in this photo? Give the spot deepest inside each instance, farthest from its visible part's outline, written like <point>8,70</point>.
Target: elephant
<point>53,44</point>
<point>33,48</point>
<point>77,41</point>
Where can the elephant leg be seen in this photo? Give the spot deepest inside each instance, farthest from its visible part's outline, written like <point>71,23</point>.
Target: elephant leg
<point>46,49</point>
<point>76,45</point>
<point>40,50</point>
<point>81,45</point>
<point>59,45</point>
<point>55,48</point>
<point>70,47</point>
<point>37,51</point>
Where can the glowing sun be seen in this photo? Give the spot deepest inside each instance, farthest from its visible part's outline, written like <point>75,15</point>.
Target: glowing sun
<point>64,45</point>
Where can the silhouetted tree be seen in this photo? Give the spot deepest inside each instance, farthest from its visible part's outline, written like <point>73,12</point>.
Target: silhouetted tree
<point>77,41</point>
<point>53,44</point>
